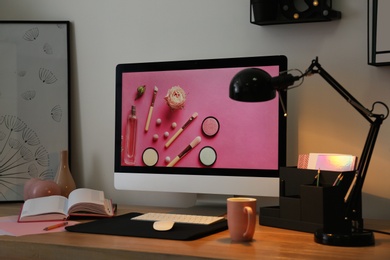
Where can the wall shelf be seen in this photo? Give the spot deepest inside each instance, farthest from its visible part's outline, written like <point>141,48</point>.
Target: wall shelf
<point>283,21</point>
<point>266,12</point>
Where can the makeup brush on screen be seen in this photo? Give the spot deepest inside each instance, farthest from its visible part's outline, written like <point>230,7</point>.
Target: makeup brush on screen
<point>194,143</point>
<point>151,109</point>
<point>194,115</point>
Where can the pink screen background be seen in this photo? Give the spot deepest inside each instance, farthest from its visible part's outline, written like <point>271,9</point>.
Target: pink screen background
<point>248,134</point>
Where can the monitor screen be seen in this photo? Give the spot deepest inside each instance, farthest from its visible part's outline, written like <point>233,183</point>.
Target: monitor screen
<point>176,126</point>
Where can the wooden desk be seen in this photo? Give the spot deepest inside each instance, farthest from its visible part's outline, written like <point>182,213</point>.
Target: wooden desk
<point>269,243</point>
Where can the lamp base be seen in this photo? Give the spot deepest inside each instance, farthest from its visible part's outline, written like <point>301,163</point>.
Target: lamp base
<point>353,239</point>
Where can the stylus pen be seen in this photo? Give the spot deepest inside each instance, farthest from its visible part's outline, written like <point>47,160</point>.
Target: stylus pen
<point>151,109</point>
<point>173,138</point>
<point>194,143</point>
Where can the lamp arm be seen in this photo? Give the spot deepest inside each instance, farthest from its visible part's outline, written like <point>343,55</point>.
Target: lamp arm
<point>354,203</point>
<point>316,68</point>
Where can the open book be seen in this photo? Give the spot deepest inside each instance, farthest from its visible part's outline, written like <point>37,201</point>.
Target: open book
<point>81,202</point>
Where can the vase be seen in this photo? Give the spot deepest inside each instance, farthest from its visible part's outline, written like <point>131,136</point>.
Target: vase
<point>64,177</point>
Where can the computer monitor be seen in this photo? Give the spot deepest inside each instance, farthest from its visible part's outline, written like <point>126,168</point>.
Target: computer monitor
<point>220,146</point>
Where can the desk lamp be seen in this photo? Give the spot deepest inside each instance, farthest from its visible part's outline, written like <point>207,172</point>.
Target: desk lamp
<point>256,85</point>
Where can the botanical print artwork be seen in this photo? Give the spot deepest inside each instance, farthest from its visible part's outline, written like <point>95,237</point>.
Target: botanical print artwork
<point>33,102</point>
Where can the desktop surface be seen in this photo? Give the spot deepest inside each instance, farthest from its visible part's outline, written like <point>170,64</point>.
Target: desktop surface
<point>268,243</point>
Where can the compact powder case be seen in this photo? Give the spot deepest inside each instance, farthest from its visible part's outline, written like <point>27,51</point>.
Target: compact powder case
<point>150,156</point>
<point>207,156</point>
<point>210,126</point>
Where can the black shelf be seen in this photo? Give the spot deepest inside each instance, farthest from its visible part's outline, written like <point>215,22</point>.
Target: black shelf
<point>285,21</point>
<point>274,14</point>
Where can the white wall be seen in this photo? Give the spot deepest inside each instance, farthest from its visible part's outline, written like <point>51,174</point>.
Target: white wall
<point>105,33</point>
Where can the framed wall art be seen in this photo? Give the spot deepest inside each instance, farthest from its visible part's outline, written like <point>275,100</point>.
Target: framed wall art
<point>378,36</point>
<point>34,102</point>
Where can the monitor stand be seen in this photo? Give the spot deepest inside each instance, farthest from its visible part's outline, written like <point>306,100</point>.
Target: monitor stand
<point>206,205</point>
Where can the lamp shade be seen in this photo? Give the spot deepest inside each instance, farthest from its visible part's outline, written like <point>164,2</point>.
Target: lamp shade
<point>252,85</point>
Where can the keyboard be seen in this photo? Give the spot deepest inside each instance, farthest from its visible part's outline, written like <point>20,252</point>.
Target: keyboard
<point>179,218</point>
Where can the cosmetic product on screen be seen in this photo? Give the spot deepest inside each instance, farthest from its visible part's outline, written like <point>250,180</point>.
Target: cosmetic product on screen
<point>194,115</point>
<point>130,137</point>
<point>210,126</point>
<point>207,156</point>
<point>150,156</point>
<point>194,143</point>
<point>151,109</point>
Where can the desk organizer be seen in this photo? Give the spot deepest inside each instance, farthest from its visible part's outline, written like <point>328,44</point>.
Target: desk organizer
<point>304,206</point>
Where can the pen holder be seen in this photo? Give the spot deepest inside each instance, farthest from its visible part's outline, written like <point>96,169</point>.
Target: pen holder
<point>323,205</point>
<point>304,206</point>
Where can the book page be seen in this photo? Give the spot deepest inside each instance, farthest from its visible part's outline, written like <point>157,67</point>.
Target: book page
<point>88,202</point>
<point>44,205</point>
<point>84,195</point>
